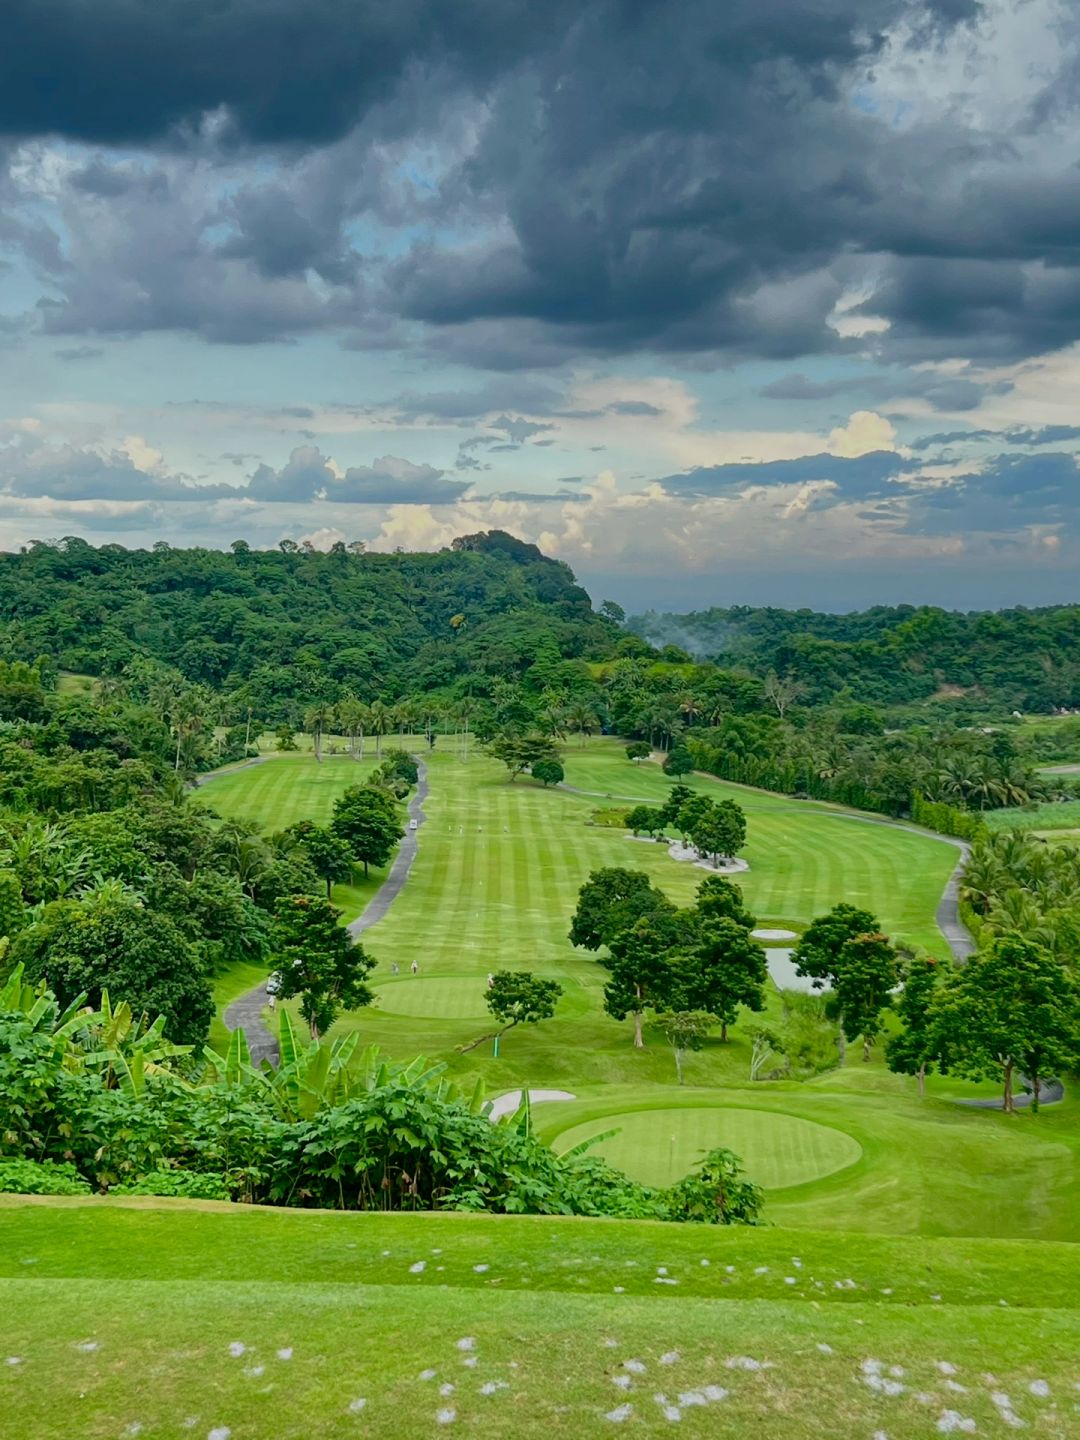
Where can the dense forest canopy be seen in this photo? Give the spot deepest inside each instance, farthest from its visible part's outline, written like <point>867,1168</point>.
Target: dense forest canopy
<point>298,623</point>
<point>891,655</point>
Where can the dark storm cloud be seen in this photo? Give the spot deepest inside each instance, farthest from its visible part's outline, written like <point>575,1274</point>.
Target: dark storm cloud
<point>1009,493</point>
<point>129,71</point>
<point>861,477</point>
<point>623,175</point>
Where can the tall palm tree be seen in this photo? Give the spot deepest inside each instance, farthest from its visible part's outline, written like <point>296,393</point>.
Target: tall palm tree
<point>380,723</point>
<point>315,718</point>
<point>582,718</point>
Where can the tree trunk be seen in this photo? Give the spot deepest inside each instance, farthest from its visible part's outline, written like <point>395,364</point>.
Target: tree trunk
<point>841,1046</point>
<point>329,887</point>
<point>316,740</point>
<point>247,734</point>
<point>678,1064</point>
<point>378,747</point>
<point>361,754</point>
<point>723,1032</point>
<point>920,1075</point>
<point>639,1043</point>
<point>179,742</point>
<point>1007,1098</point>
<point>1034,1081</point>
<point>865,1050</point>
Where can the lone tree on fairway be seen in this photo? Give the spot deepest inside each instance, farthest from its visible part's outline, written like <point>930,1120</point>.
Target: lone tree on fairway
<point>367,819</point>
<point>641,972</point>
<point>724,969</point>
<point>913,1050</point>
<point>1012,1007</point>
<point>518,997</point>
<point>638,750</point>
<point>548,772</point>
<point>718,898</point>
<point>522,752</point>
<point>817,954</point>
<point>868,971</point>
<point>678,761</point>
<point>610,901</point>
<point>685,1030</point>
<point>318,960</point>
<point>720,830</point>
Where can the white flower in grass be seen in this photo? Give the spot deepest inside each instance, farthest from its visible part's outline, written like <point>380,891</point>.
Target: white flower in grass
<point>661,1269</point>
<point>418,1267</point>
<point>219,1432</point>
<point>254,1371</point>
<point>796,1262</point>
<point>951,1421</point>
<point>945,1367</point>
<point>467,1342</point>
<point>706,1262</point>
<point>619,1289</point>
<point>897,1370</point>
<point>714,1393</point>
<point>621,1382</point>
<point>609,1343</point>
<point>762,1270</point>
<point>665,1280</point>
<point>135,1428</point>
<point>446,1388</point>
<point>88,1346</point>
<point>446,1416</point>
<point>729,1269</point>
<point>825,1349</point>
<point>480,1269</point>
<point>471,1361</point>
<point>669,1357</point>
<point>689,1398</point>
<point>14,1360</point>
<point>620,1413</point>
<point>355,1406</point>
<point>745,1362</point>
<point>428,1374</point>
<point>636,1367</point>
<point>955,1387</point>
<point>237,1348</point>
<point>789,1279</point>
<point>492,1387</point>
<point>1039,1388</point>
<point>437,1252</point>
<point>887,1290</point>
<point>285,1353</point>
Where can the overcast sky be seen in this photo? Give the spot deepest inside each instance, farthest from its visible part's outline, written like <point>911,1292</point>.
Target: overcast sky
<point>756,301</point>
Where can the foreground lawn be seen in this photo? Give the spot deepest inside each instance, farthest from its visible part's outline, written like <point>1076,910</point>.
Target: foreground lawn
<point>167,1320</point>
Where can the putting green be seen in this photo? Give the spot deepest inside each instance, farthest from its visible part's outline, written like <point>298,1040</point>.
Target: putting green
<point>659,1147</point>
<point>442,997</point>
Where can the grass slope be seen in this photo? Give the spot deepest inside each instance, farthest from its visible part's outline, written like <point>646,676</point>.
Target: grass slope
<point>169,1320</point>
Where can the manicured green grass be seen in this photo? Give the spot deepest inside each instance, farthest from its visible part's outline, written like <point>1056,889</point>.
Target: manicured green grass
<point>283,789</point>
<point>494,884</point>
<point>173,1320</point>
<point>286,789</point>
<point>803,856</point>
<point>658,1147</point>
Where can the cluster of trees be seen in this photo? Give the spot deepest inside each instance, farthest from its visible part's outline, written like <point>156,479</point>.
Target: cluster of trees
<point>111,879</point>
<point>715,828</point>
<point>1017,887</point>
<point>1011,1009</point>
<point>700,960</point>
<point>845,756</point>
<point>892,654</point>
<point>95,1099</point>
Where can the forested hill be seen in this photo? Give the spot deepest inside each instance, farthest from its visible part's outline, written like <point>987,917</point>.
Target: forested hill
<point>1029,659</point>
<point>297,623</point>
